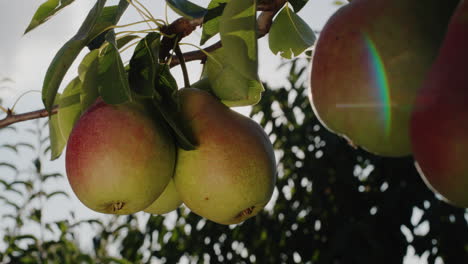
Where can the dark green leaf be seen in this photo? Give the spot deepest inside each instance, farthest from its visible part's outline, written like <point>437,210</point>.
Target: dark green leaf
<point>26,184</point>
<point>67,54</point>
<point>186,8</point>
<point>109,17</point>
<point>298,4</point>
<point>290,35</point>
<point>113,83</point>
<point>45,11</point>
<point>167,105</point>
<point>211,19</point>
<point>50,195</point>
<point>10,147</point>
<point>142,73</point>
<point>89,76</point>
<point>45,177</point>
<point>36,215</point>
<point>9,165</point>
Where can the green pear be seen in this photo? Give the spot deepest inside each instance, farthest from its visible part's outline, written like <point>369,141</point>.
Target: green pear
<point>167,202</point>
<point>232,173</point>
<point>119,158</point>
<point>370,59</point>
<point>439,123</point>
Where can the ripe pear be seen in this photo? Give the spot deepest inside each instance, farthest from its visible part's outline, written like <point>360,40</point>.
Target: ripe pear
<point>370,59</point>
<point>439,123</point>
<point>232,173</point>
<point>167,202</point>
<point>119,158</point>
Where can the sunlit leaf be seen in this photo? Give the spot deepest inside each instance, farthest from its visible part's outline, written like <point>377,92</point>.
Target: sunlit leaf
<point>45,11</point>
<point>186,8</point>
<point>232,70</point>
<point>69,107</point>
<point>228,84</point>
<point>290,35</point>
<point>211,19</point>
<point>57,141</point>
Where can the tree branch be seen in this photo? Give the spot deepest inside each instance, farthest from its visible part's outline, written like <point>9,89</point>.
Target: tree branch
<point>264,22</point>
<point>15,118</point>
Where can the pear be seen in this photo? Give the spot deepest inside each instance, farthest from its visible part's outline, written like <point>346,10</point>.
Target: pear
<point>370,59</point>
<point>232,173</point>
<point>119,158</point>
<point>167,202</point>
<point>439,123</point>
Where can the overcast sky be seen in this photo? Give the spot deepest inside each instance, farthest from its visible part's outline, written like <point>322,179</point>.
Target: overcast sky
<point>25,58</point>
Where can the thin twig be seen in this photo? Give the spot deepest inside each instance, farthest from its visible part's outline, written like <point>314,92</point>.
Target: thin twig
<point>15,118</point>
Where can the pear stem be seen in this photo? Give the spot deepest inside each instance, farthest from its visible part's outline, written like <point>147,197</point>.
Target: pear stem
<point>180,56</point>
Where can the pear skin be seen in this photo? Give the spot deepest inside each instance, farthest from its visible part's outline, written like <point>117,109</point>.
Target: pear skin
<point>370,59</point>
<point>232,173</point>
<point>167,202</point>
<point>439,123</point>
<point>119,158</point>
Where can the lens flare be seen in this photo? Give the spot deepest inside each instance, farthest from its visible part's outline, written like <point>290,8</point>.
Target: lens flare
<point>377,71</point>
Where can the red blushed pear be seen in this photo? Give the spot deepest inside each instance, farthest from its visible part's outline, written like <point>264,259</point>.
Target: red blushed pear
<point>232,173</point>
<point>167,202</point>
<point>369,61</point>
<point>119,158</point>
<point>439,124</point>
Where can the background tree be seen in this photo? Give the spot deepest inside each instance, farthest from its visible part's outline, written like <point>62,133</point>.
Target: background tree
<point>333,204</point>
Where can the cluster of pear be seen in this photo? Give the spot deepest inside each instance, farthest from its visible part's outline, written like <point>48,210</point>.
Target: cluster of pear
<point>122,159</point>
<point>391,77</point>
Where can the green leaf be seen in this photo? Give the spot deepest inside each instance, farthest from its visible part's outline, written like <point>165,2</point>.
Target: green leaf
<point>109,17</point>
<point>166,80</point>
<point>46,11</point>
<point>113,81</point>
<point>57,141</point>
<point>211,19</point>
<point>228,84</point>
<point>232,70</point>
<point>50,195</point>
<point>298,4</point>
<point>290,35</point>
<point>68,53</point>
<point>166,103</point>
<point>9,165</point>
<point>69,107</point>
<point>98,20</point>
<point>88,74</point>
<point>143,64</point>
<point>186,8</point>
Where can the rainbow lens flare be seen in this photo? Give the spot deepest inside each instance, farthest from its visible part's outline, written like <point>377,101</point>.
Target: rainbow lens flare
<point>377,71</point>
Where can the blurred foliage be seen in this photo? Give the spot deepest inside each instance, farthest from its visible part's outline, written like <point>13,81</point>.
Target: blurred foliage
<point>332,204</point>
